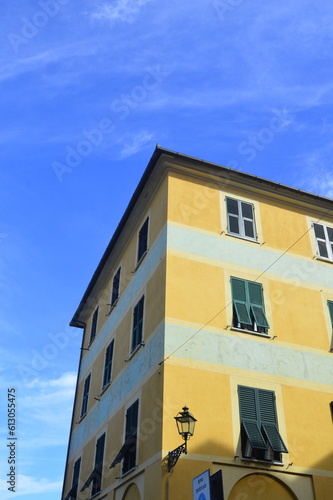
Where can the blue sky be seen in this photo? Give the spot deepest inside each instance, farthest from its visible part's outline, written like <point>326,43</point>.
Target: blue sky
<point>88,88</point>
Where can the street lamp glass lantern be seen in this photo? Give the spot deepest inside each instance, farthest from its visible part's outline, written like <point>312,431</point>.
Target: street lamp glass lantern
<point>185,423</point>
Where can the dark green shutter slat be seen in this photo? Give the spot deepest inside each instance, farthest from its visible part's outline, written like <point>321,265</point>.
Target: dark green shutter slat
<point>254,435</point>
<point>255,293</point>
<point>267,410</point>
<point>330,308</point>
<point>100,450</point>
<point>115,287</point>
<point>132,419</point>
<point>274,438</point>
<point>238,289</point>
<point>247,403</point>
<point>259,316</point>
<point>76,472</point>
<point>143,239</point>
<point>242,312</point>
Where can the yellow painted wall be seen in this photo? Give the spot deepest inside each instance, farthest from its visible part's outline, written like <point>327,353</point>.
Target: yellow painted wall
<point>195,291</point>
<point>207,395</point>
<point>309,425</point>
<point>194,202</point>
<point>298,314</point>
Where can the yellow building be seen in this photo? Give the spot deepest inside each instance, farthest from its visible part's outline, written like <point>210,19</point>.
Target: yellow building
<point>215,292</point>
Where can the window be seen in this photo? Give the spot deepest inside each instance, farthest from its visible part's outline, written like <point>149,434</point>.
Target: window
<point>108,364</point>
<point>96,476</point>
<point>131,431</point>
<point>241,218</point>
<point>97,480</point>
<point>127,452</point>
<point>324,239</point>
<point>260,437</point>
<point>85,395</point>
<point>94,325</point>
<point>72,495</point>
<point>248,306</point>
<point>137,324</point>
<point>115,288</point>
<point>143,240</point>
<point>330,308</point>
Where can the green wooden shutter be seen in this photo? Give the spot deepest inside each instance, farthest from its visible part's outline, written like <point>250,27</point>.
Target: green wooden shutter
<point>249,417</point>
<point>242,310</point>
<point>257,304</point>
<point>268,420</point>
<point>330,308</point>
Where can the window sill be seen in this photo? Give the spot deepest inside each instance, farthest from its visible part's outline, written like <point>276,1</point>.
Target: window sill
<point>240,237</point>
<point>135,350</point>
<point>257,334</point>
<point>323,259</point>
<point>81,418</point>
<point>133,469</point>
<point>262,462</point>
<point>138,264</point>
<point>112,306</point>
<point>105,388</point>
<point>91,342</point>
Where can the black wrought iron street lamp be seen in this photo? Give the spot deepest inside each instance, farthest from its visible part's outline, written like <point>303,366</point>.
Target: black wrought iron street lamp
<point>185,425</point>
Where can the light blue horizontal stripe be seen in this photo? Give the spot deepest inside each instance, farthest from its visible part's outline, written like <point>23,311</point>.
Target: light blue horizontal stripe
<point>115,396</point>
<point>252,256</point>
<point>140,278</point>
<point>248,354</point>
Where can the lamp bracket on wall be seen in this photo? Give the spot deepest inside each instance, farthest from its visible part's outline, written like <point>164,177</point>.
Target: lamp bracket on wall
<point>175,454</point>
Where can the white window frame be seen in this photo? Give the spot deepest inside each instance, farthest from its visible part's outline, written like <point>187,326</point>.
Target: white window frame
<point>327,241</point>
<point>241,219</point>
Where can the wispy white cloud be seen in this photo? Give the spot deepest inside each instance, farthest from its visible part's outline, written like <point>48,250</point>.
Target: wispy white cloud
<point>319,181</point>
<point>316,169</point>
<point>120,10</point>
<point>135,143</point>
<point>28,485</point>
<point>17,67</point>
<point>65,381</point>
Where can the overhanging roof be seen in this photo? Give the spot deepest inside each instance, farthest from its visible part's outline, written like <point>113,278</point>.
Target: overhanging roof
<point>221,171</point>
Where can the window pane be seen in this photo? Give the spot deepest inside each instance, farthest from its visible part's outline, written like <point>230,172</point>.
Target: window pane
<point>319,231</point>
<point>143,240</point>
<point>249,228</point>
<point>330,233</point>
<point>322,249</point>
<point>330,308</point>
<point>247,210</point>
<point>115,287</point>
<point>94,325</point>
<point>233,225</point>
<point>232,206</point>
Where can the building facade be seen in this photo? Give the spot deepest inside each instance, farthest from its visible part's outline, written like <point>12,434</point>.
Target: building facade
<point>215,292</point>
